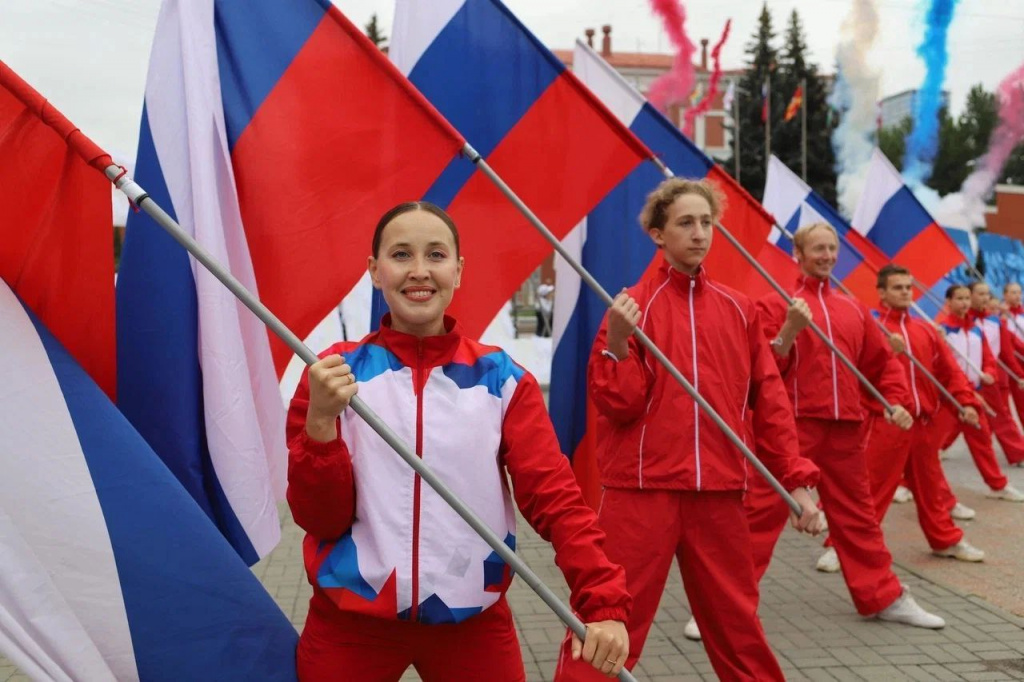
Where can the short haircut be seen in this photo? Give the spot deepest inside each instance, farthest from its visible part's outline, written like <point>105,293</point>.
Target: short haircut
<point>802,234</point>
<point>655,211</point>
<point>975,284</point>
<point>888,271</point>
<point>1006,287</point>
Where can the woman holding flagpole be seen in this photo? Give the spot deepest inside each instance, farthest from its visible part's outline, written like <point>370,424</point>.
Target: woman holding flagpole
<point>398,578</point>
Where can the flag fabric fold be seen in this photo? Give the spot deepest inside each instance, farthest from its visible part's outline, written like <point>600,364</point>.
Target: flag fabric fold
<point>47,188</point>
<point>537,126</point>
<point>276,134</point>
<point>797,101</point>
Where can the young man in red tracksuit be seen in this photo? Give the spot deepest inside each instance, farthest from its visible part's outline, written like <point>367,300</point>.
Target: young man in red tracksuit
<point>673,483</point>
<point>1014,312</point>
<point>831,423</point>
<point>997,395</point>
<point>892,451</point>
<point>973,354</point>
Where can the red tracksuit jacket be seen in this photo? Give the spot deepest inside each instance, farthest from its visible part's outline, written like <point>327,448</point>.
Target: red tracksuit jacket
<point>932,351</point>
<point>651,433</point>
<point>382,543</point>
<point>819,384</point>
<point>969,340</point>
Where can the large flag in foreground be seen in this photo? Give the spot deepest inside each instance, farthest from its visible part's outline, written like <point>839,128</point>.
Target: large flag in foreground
<point>890,216</point>
<point>548,137</point>
<point>933,303</point>
<point>276,134</point>
<point>109,570</point>
<point>47,189</point>
<point>613,247</point>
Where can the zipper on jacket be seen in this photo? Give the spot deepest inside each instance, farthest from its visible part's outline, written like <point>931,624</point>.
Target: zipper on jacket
<point>835,378</point>
<point>913,376</point>
<point>420,387</point>
<point>696,384</point>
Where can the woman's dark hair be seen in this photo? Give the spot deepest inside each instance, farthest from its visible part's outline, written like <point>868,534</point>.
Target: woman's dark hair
<point>952,290</point>
<point>407,207</point>
<point>975,284</point>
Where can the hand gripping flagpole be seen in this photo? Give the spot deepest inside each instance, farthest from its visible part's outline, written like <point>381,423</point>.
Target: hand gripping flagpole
<point>645,340</point>
<point>140,198</point>
<point>865,382</point>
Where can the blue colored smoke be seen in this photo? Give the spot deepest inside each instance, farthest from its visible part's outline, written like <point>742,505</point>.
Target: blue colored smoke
<point>922,143</point>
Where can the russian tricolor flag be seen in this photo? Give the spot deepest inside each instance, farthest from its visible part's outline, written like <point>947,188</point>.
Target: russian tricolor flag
<point>794,204</point>
<point>890,216</point>
<point>276,134</point>
<point>610,244</point>
<point>547,136</point>
<point>108,569</point>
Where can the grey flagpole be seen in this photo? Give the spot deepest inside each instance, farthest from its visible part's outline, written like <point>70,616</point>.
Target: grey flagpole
<point>906,351</point>
<point>140,198</point>
<point>865,382</point>
<point>645,340</point>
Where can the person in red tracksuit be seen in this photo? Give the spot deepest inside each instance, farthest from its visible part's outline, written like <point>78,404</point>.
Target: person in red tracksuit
<point>1014,312</point>
<point>1003,344</point>
<point>673,482</point>
<point>892,451</point>
<point>399,579</point>
<point>831,423</point>
<point>971,343</point>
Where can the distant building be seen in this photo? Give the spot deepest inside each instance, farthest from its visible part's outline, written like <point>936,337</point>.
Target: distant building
<point>894,108</point>
<point>641,69</point>
<point>1007,216</point>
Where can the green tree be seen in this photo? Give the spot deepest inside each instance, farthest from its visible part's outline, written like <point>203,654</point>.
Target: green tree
<point>762,58</point>
<point>892,141</point>
<point>374,32</point>
<point>979,119</point>
<point>1013,171</point>
<point>953,158</point>
<point>794,70</point>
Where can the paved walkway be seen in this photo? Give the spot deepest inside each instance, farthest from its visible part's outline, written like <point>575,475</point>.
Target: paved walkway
<point>808,615</point>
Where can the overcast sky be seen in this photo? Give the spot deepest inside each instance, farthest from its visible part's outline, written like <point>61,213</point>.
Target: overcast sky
<point>89,56</point>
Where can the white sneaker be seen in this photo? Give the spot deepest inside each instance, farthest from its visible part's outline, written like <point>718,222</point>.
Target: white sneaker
<point>962,512</point>
<point>905,610</point>
<point>961,551</point>
<point>691,631</point>
<point>902,495</point>
<point>829,561</point>
<point>1009,494</point>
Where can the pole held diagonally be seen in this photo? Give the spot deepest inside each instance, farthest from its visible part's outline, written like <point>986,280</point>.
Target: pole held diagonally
<point>140,198</point>
<point>591,282</point>
<point>865,382</point>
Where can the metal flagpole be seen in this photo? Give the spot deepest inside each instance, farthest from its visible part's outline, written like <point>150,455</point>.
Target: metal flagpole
<point>736,130</point>
<point>868,386</point>
<point>767,122</point>
<point>803,128</point>
<point>140,198</point>
<point>596,287</point>
<point>906,351</point>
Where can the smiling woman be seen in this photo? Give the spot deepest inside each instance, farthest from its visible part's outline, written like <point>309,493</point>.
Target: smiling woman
<point>389,561</point>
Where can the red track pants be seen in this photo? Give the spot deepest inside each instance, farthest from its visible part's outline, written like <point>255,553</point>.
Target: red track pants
<point>1003,425</point>
<point>707,533</point>
<point>1017,393</point>
<point>837,447</point>
<point>979,442</point>
<point>347,646</point>
<point>891,451</point>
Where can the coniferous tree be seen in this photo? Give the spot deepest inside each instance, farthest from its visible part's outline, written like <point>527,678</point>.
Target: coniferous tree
<point>374,32</point>
<point>762,58</point>
<point>794,69</point>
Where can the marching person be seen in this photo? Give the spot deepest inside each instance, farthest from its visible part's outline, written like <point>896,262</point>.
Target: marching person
<point>971,344</point>
<point>399,579</point>
<point>832,427</point>
<point>1014,312</point>
<point>892,451</point>
<point>673,483</point>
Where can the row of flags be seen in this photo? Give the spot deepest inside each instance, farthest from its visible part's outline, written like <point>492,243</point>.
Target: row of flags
<point>275,133</point>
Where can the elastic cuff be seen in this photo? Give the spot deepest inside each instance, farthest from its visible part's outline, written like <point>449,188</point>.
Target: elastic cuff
<point>317,448</point>
<point>608,613</point>
<point>608,354</point>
